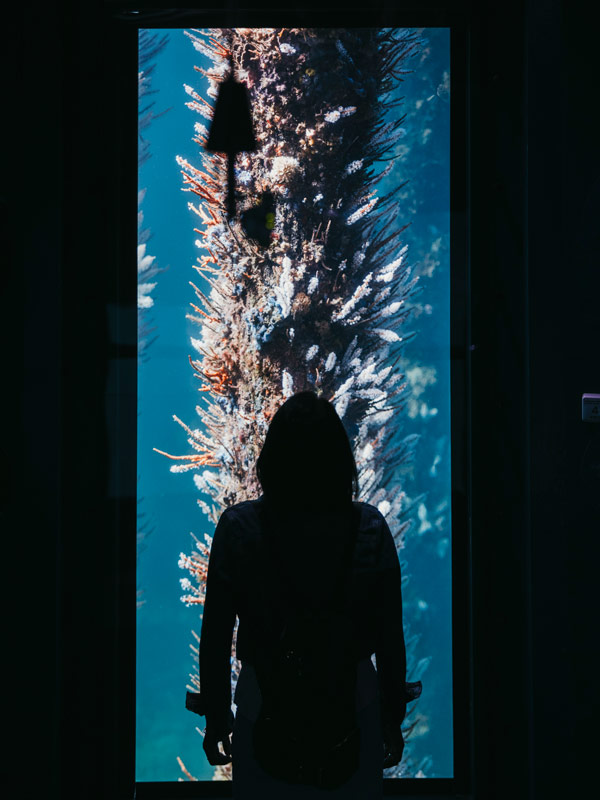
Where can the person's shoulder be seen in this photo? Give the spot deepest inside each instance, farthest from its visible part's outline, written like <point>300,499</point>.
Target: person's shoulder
<point>243,512</point>
<point>370,516</point>
<point>240,525</point>
<point>372,533</point>
<point>242,506</point>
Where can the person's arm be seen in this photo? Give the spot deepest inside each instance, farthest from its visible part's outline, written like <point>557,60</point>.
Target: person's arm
<point>218,621</point>
<point>390,652</point>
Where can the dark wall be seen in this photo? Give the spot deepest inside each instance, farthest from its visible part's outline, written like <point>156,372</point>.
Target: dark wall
<point>535,327</point>
<point>534,331</point>
<point>564,302</point>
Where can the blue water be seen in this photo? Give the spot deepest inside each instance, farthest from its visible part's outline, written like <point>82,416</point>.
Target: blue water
<point>165,730</point>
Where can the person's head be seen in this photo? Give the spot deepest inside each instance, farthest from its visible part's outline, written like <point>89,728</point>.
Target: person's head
<point>307,458</point>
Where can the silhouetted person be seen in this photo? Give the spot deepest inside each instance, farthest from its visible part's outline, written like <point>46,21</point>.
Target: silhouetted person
<point>309,478</point>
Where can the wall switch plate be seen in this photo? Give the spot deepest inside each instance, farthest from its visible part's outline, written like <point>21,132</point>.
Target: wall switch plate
<point>590,408</point>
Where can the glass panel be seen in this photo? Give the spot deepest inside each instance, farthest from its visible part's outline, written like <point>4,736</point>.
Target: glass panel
<point>333,292</point>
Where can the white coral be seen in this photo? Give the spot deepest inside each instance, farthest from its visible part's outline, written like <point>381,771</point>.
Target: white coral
<point>283,168</point>
<point>312,352</point>
<point>287,384</point>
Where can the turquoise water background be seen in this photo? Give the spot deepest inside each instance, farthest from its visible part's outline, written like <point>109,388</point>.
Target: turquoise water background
<point>164,729</point>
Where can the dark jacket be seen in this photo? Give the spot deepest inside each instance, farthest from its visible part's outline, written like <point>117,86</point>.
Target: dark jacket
<point>236,585</point>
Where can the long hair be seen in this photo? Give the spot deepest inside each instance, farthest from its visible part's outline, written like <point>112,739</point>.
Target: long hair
<point>306,461</point>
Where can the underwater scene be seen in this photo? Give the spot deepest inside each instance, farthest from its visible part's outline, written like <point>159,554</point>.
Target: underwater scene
<point>334,275</point>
